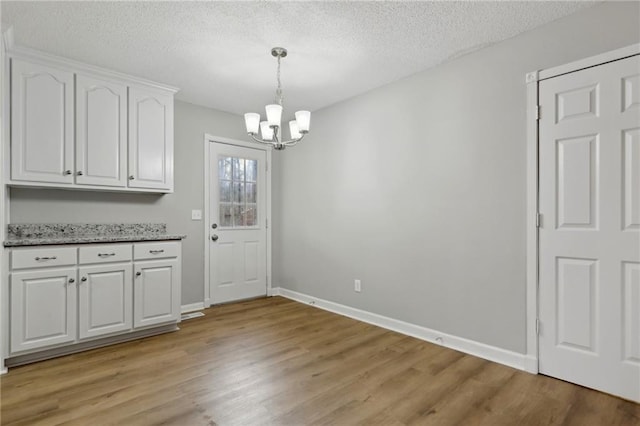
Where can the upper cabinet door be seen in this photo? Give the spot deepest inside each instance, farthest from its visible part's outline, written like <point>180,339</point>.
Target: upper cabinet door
<point>150,139</point>
<point>101,132</point>
<point>41,123</point>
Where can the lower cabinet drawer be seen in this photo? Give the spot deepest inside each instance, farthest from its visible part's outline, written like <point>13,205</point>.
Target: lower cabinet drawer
<point>43,257</point>
<point>143,251</point>
<point>105,253</point>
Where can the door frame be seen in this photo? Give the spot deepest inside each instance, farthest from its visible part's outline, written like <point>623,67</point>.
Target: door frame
<point>533,169</point>
<point>209,139</point>
<point>6,41</point>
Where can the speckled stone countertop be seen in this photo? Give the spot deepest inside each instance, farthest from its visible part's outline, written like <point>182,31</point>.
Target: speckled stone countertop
<point>35,234</point>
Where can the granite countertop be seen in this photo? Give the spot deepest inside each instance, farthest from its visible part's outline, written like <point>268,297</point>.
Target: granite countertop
<point>35,234</point>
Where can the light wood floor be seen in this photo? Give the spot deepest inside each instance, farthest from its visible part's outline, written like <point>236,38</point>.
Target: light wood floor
<point>274,361</point>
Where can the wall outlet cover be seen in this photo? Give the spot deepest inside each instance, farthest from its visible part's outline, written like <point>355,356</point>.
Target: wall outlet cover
<point>196,214</point>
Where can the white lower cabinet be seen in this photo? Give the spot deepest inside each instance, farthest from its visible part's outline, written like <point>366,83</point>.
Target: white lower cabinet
<point>43,308</point>
<point>105,299</point>
<point>157,293</point>
<point>66,295</point>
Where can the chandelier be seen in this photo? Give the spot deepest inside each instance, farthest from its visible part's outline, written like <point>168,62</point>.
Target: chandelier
<point>270,129</point>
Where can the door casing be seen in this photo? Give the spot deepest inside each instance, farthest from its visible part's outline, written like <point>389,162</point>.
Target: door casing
<point>533,114</point>
<point>209,139</point>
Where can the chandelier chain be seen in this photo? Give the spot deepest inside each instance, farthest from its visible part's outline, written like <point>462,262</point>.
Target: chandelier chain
<point>279,89</point>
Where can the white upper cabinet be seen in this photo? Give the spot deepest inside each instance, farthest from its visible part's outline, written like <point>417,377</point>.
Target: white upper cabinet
<point>77,126</point>
<point>101,132</point>
<point>150,139</point>
<point>41,123</point>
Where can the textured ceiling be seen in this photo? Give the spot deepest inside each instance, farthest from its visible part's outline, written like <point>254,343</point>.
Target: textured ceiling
<point>218,52</point>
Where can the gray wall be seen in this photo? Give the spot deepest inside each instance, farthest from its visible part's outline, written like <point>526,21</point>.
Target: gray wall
<point>418,188</point>
<point>191,123</point>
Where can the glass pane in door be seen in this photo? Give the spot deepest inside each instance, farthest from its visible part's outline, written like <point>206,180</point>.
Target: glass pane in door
<point>238,192</point>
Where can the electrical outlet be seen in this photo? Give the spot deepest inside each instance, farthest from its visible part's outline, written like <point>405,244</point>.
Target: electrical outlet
<point>196,214</point>
<point>357,286</point>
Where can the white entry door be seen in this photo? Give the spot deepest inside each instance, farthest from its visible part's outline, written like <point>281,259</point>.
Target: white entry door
<point>589,297</point>
<point>237,223</point>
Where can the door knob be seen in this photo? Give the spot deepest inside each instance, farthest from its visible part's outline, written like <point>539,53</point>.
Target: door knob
<point>71,280</point>
<point>214,237</point>
<point>138,274</point>
<point>83,279</point>
<point>214,226</point>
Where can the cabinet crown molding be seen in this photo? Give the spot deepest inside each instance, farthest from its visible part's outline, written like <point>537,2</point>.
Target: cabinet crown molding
<point>49,59</point>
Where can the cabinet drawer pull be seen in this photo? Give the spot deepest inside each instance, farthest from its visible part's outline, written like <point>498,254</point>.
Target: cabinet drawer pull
<point>46,258</point>
<point>83,279</point>
<point>138,274</point>
<point>131,177</point>
<point>106,254</point>
<point>67,172</point>
<point>79,173</point>
<point>156,251</point>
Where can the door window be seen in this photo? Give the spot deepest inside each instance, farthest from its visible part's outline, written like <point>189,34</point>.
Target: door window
<point>238,189</point>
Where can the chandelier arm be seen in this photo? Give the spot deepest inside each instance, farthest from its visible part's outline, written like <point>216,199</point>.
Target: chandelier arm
<point>253,136</point>
<point>293,142</point>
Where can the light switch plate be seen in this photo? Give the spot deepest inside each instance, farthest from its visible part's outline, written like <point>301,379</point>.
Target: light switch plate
<point>196,214</point>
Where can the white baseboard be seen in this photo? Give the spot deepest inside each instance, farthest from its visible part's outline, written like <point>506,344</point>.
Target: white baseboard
<point>192,307</point>
<point>4,371</point>
<point>531,364</point>
<point>481,350</point>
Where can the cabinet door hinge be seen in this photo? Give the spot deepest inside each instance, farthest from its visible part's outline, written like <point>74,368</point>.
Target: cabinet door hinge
<point>537,326</point>
<point>266,223</point>
<point>538,112</point>
<point>266,166</point>
<point>538,220</point>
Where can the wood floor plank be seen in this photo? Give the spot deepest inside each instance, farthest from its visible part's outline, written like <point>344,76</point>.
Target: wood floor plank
<point>273,361</point>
